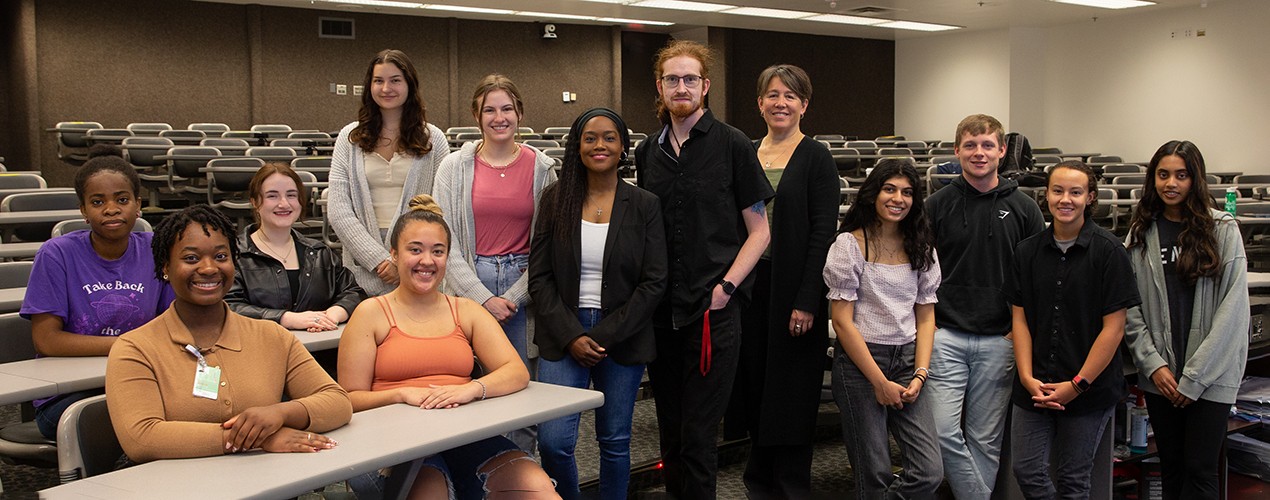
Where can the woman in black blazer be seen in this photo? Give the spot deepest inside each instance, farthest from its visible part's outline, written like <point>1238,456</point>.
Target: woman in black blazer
<point>597,270</point>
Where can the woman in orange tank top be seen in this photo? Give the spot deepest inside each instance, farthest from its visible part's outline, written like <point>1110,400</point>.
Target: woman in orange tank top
<point>415,346</point>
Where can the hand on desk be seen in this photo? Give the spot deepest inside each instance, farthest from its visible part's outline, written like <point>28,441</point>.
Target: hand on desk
<point>313,321</point>
<point>249,429</point>
<point>288,440</point>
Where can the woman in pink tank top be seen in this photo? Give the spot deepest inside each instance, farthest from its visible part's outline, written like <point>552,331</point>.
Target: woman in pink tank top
<point>415,344</point>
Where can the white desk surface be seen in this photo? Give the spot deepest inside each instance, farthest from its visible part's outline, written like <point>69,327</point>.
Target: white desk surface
<point>374,439</point>
<point>16,389</point>
<point>66,374</point>
<point>1258,280</point>
<point>44,377</point>
<point>13,218</point>
<point>11,299</point>
<point>21,250</point>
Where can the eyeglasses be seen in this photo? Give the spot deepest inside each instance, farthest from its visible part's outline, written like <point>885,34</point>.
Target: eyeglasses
<point>672,81</point>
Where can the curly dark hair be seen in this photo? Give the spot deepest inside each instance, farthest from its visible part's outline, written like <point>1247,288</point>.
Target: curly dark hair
<point>1199,255</point>
<point>919,239</point>
<point>414,113</point>
<point>565,204</point>
<point>105,158</point>
<point>169,230</point>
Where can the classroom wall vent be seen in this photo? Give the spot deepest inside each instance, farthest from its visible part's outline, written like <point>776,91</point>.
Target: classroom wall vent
<point>334,27</point>
<point>870,10</point>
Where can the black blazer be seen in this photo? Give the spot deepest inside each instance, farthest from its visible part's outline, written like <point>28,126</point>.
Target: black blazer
<point>261,289</point>
<point>634,279</point>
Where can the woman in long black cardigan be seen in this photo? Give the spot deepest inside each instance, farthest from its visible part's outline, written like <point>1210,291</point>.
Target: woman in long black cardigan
<point>785,332</point>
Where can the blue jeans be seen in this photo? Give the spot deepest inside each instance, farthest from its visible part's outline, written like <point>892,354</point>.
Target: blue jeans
<point>865,424</point>
<point>498,273</point>
<point>971,376</point>
<point>48,414</point>
<point>557,438</point>
<point>460,466</point>
<point>1074,440</point>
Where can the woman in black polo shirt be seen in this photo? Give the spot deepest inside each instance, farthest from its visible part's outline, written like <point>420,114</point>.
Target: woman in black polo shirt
<point>1070,287</point>
<point>1190,337</point>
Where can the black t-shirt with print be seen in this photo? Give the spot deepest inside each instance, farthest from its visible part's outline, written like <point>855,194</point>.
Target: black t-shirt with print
<point>1181,295</point>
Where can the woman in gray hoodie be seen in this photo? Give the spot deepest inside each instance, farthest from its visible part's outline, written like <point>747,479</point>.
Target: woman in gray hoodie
<point>1190,336</point>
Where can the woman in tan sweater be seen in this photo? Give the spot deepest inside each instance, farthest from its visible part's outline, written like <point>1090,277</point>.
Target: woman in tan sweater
<point>201,380</point>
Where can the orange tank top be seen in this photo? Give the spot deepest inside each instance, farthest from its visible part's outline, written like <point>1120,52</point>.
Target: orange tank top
<point>404,360</point>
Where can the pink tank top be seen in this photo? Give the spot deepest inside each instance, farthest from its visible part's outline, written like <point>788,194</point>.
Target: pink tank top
<point>404,360</point>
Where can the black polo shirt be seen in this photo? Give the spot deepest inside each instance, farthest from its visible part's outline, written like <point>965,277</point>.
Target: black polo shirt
<point>703,191</point>
<point>1065,296</point>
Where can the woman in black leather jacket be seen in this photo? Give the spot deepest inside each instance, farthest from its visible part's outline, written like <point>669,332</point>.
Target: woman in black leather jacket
<point>283,276</point>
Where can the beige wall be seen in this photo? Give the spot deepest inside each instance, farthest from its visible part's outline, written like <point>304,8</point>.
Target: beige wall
<point>1120,85</point>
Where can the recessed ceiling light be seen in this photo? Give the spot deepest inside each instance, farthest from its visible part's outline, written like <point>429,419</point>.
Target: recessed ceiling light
<point>1108,4</point>
<point>461,8</point>
<point>380,3</point>
<point>772,13</point>
<point>682,5</point>
<point>619,20</point>
<point>841,19</point>
<point>913,25</point>
<point>554,16</point>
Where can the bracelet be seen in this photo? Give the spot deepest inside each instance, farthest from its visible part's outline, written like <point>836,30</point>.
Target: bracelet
<point>1077,387</point>
<point>482,384</point>
<point>920,376</point>
<point>922,369</point>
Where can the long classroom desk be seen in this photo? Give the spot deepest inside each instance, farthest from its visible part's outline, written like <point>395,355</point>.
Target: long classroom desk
<point>49,376</point>
<point>19,250</point>
<point>374,439</point>
<point>11,299</point>
<point>9,220</point>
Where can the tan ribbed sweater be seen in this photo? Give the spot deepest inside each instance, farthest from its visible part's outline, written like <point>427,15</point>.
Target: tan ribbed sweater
<point>150,382</point>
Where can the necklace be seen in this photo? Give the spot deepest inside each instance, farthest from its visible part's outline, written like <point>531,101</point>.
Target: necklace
<point>788,146</point>
<point>273,251</point>
<point>893,253</point>
<point>406,310</point>
<point>598,211</point>
<point>679,145</point>
<point>502,170</point>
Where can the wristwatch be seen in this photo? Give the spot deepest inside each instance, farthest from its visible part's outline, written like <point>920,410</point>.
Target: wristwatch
<point>728,287</point>
<point>1082,385</point>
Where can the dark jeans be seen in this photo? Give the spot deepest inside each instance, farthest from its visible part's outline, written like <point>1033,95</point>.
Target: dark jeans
<point>48,414</point>
<point>1189,441</point>
<point>865,425</point>
<point>1074,440</point>
<point>690,405</point>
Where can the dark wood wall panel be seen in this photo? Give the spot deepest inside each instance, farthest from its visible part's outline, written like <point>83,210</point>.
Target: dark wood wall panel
<point>580,60</point>
<point>853,81</point>
<point>639,91</point>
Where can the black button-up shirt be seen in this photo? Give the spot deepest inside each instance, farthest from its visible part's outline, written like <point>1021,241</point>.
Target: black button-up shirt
<point>703,190</point>
<point>1065,296</point>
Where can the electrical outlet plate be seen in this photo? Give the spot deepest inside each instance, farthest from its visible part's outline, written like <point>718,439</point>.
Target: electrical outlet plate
<point>333,88</point>
<point>357,90</point>
<point>341,90</point>
<point>573,97</point>
<point>565,96</point>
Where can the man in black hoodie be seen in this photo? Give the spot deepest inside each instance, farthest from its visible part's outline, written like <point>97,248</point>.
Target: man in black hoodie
<point>978,220</point>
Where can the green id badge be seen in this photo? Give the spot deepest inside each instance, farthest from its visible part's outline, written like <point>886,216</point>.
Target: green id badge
<point>206,381</point>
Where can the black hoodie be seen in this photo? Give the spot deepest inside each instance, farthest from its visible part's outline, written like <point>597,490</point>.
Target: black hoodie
<point>975,235</point>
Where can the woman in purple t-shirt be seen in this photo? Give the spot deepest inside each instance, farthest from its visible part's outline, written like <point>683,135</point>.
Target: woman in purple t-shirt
<point>90,286</point>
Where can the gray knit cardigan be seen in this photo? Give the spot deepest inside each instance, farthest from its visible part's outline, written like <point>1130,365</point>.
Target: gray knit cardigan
<point>351,213</point>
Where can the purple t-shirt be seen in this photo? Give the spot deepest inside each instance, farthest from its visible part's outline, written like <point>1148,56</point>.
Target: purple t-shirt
<point>92,295</point>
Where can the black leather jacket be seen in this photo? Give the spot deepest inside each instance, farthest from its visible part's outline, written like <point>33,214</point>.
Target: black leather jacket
<point>260,283</point>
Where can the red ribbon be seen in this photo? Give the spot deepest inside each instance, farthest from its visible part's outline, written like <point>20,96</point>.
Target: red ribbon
<point>706,354</point>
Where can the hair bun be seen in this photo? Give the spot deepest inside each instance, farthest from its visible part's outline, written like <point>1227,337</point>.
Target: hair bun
<point>426,203</point>
<point>104,150</point>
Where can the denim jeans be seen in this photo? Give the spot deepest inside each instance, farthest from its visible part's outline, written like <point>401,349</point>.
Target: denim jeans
<point>865,424</point>
<point>48,414</point>
<point>1074,440</point>
<point>460,467</point>
<point>971,376</point>
<point>498,273</point>
<point>557,438</point>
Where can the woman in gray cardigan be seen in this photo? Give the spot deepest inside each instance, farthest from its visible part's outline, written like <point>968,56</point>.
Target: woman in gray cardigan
<point>489,194</point>
<point>1189,338</point>
<point>381,161</point>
